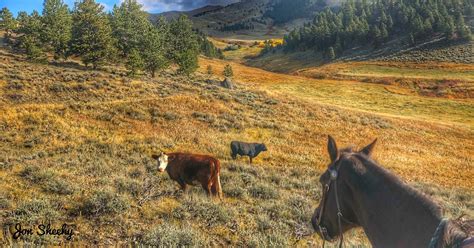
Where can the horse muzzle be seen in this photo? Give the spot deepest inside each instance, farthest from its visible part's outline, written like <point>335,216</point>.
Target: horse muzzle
<point>321,230</point>
<point>323,233</point>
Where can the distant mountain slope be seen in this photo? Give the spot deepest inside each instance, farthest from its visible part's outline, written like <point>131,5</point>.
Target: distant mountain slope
<point>411,30</point>
<point>191,13</point>
<point>252,19</point>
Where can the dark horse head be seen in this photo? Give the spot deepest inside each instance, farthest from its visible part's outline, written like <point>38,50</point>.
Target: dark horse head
<point>335,184</point>
<point>359,192</point>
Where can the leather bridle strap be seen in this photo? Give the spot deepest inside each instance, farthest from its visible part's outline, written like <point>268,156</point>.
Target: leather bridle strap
<point>322,230</point>
<point>339,215</point>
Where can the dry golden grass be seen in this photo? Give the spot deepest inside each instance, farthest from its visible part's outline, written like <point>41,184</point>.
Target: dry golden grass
<point>246,48</point>
<point>386,100</point>
<point>95,132</point>
<point>407,70</point>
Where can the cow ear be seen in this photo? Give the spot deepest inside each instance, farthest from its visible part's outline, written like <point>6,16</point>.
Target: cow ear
<point>332,149</point>
<point>154,156</point>
<point>369,148</point>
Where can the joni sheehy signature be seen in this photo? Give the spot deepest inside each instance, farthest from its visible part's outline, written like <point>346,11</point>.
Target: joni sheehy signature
<point>43,230</point>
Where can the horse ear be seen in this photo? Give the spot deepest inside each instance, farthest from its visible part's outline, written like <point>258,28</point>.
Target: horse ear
<point>332,149</point>
<point>154,156</point>
<point>369,148</point>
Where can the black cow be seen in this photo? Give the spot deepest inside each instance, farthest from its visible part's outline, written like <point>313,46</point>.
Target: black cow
<point>246,149</point>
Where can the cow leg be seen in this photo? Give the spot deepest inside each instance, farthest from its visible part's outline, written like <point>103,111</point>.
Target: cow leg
<point>184,186</point>
<point>250,157</point>
<point>207,187</point>
<point>215,187</point>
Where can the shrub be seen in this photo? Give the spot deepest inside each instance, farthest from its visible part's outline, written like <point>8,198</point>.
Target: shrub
<point>103,202</point>
<point>132,112</point>
<point>209,70</point>
<point>5,165</point>
<point>267,240</point>
<point>228,72</point>
<point>247,178</point>
<point>34,210</point>
<point>202,209</point>
<point>130,186</point>
<point>58,186</point>
<point>234,191</point>
<point>277,211</point>
<point>204,117</point>
<point>263,223</point>
<point>300,208</point>
<point>35,174</point>
<point>236,167</point>
<point>4,202</point>
<point>170,235</point>
<point>263,192</point>
<point>135,173</point>
<point>57,87</point>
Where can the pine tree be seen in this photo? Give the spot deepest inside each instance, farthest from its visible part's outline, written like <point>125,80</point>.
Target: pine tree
<point>207,48</point>
<point>57,23</point>
<point>134,62</point>
<point>383,32</point>
<point>449,28</point>
<point>154,50</point>
<point>389,22</point>
<point>91,33</point>
<point>375,34</point>
<point>184,48</point>
<point>417,26</point>
<point>462,29</point>
<point>209,70</point>
<point>29,31</point>
<point>228,72</point>
<point>427,26</point>
<point>7,22</point>
<point>163,27</point>
<point>331,53</point>
<point>411,39</point>
<point>129,24</point>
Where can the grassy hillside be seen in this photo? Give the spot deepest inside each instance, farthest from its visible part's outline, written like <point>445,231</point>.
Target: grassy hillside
<point>436,79</point>
<point>387,100</point>
<point>440,70</point>
<point>432,51</point>
<point>76,148</point>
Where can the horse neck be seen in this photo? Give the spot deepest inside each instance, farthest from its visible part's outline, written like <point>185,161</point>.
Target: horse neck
<point>392,212</point>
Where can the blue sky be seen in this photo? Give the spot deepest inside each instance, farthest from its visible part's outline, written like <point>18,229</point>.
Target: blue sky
<point>152,6</point>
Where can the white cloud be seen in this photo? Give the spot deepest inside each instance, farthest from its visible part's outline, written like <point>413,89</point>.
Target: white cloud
<point>168,5</point>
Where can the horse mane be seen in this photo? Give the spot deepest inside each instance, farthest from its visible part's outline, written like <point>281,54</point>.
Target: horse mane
<point>380,172</point>
<point>452,234</point>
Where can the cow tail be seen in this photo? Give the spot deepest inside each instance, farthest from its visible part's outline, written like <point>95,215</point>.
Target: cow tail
<point>218,179</point>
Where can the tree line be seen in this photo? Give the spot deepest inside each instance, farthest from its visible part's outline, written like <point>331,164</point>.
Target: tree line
<point>375,22</point>
<point>126,35</point>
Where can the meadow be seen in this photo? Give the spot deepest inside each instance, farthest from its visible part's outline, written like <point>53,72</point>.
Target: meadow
<point>382,99</point>
<point>76,148</point>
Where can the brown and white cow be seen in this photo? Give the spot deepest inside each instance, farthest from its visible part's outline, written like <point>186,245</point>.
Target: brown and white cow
<point>186,169</point>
